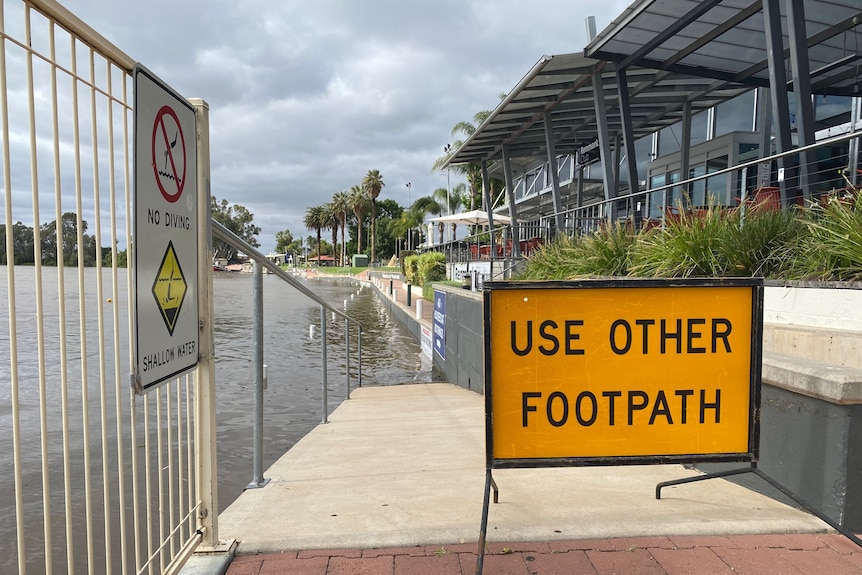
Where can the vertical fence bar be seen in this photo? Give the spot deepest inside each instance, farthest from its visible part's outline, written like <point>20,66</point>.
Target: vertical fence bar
<point>323,363</point>
<point>359,344</point>
<point>10,279</point>
<point>160,482</point>
<point>40,326</point>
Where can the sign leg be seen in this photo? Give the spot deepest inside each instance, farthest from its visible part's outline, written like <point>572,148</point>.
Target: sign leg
<point>483,528</point>
<point>703,477</point>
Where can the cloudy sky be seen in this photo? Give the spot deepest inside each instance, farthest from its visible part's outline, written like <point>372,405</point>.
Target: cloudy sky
<point>306,96</point>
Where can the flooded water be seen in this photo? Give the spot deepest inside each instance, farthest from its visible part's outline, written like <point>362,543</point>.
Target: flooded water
<point>293,400</point>
<point>292,403</point>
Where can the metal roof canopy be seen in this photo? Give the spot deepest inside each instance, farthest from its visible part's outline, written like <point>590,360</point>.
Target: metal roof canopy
<point>713,53</point>
<point>726,39</point>
<point>561,85</point>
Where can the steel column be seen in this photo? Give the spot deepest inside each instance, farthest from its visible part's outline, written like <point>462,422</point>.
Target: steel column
<point>628,130</point>
<point>778,85</point>
<point>604,144</point>
<point>802,88</point>
<point>685,150</point>
<point>510,196</point>
<point>555,176</point>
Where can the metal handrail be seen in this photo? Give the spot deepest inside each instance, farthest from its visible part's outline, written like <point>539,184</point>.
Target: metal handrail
<point>849,135</point>
<point>260,261</point>
<point>227,236</point>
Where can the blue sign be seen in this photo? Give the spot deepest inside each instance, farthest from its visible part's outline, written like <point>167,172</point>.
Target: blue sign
<point>440,324</point>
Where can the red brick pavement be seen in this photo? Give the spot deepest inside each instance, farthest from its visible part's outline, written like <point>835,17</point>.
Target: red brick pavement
<point>793,554</point>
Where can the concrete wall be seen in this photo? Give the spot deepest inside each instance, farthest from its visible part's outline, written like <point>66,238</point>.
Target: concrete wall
<point>464,339</point>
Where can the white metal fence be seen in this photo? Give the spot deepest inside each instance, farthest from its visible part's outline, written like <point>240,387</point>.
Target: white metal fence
<point>92,478</point>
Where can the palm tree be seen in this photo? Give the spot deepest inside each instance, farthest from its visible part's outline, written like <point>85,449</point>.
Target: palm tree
<point>405,224</point>
<point>341,204</point>
<point>315,219</point>
<point>333,221</point>
<point>373,185</point>
<point>360,203</point>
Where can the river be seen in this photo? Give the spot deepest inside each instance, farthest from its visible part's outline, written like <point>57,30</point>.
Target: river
<point>292,404</point>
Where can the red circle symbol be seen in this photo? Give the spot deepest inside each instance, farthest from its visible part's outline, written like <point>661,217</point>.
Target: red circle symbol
<point>170,166</point>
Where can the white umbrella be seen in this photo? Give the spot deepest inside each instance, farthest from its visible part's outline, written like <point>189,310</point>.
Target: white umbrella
<point>473,218</point>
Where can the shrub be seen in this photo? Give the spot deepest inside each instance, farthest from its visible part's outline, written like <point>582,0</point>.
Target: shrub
<point>424,268</point>
<point>607,252</point>
<point>832,250</point>
<point>717,242</point>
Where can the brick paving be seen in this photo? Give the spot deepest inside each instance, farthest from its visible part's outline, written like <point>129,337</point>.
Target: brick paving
<point>792,554</point>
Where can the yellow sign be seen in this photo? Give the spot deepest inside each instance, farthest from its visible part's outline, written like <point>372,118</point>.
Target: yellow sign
<point>619,371</point>
<point>169,289</point>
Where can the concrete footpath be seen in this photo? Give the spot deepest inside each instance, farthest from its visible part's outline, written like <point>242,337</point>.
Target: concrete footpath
<point>393,484</point>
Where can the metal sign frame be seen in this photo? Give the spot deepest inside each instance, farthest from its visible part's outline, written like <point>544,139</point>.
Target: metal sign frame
<point>750,455</point>
<point>165,234</point>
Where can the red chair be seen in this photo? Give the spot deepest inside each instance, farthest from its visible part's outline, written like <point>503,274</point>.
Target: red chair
<point>484,252</point>
<point>474,252</point>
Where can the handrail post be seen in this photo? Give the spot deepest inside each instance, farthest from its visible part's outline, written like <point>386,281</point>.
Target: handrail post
<point>323,361</point>
<point>347,353</point>
<point>257,479</point>
<point>359,344</point>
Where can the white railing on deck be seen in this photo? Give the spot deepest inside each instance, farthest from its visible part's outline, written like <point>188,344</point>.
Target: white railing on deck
<point>100,481</point>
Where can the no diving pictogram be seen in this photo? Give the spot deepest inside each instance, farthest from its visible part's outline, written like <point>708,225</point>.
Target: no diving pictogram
<point>169,154</point>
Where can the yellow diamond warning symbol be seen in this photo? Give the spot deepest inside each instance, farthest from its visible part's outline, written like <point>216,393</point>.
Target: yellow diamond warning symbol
<point>169,289</point>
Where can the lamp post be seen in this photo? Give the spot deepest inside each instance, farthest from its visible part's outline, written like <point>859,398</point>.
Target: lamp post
<point>409,232</point>
<point>449,237</point>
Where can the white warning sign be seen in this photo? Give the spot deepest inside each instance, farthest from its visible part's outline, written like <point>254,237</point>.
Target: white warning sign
<point>166,233</point>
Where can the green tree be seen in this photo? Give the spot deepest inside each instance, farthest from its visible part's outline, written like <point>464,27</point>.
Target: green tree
<point>22,244</point>
<point>283,240</point>
<point>237,219</point>
<point>373,185</point>
<point>315,219</point>
<point>68,246</point>
<point>387,210</point>
<point>107,258</point>
<point>360,203</point>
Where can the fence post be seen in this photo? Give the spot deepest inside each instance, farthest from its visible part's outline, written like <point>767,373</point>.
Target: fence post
<point>359,354</point>
<point>347,352</point>
<point>257,479</point>
<point>323,363</point>
<point>205,406</point>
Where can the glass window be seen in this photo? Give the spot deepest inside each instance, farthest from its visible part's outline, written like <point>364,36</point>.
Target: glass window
<point>656,198</point>
<point>668,140</point>
<point>699,128</point>
<point>697,189</point>
<point>716,186</point>
<point>735,115</point>
<point>831,111</point>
